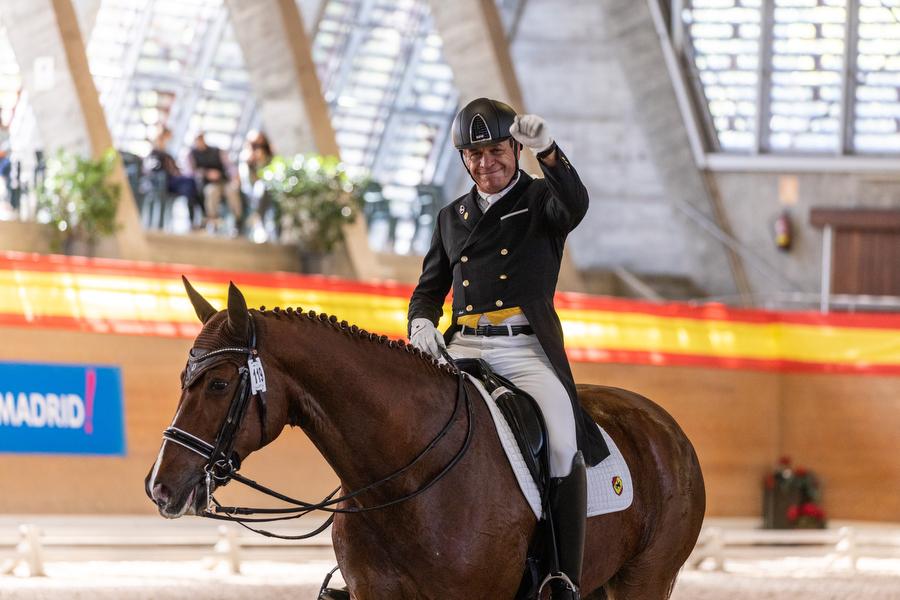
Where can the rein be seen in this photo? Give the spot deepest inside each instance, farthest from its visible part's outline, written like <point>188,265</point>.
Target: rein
<point>223,462</point>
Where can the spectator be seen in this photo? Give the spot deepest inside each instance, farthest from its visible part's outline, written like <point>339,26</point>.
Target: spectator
<point>215,176</point>
<point>256,155</point>
<point>159,160</point>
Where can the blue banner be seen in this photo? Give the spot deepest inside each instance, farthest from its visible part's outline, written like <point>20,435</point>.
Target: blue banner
<point>61,409</point>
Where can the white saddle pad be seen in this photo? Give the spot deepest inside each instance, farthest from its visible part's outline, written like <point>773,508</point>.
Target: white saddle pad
<point>609,482</point>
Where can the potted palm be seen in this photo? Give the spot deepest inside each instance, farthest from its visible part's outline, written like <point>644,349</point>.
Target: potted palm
<point>315,198</point>
<point>78,201</point>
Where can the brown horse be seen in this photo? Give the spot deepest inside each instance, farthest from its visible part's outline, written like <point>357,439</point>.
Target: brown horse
<point>369,405</point>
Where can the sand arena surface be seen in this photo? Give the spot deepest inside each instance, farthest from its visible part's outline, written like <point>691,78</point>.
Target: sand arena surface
<point>263,580</point>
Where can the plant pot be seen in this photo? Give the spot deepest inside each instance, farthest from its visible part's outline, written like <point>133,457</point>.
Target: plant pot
<point>312,261</point>
<point>76,245</point>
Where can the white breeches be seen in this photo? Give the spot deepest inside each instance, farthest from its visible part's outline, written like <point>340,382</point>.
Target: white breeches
<point>521,359</point>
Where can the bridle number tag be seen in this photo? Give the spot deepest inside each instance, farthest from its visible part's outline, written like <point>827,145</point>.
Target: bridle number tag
<point>257,375</point>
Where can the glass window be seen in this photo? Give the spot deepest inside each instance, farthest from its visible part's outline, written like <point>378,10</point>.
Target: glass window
<point>877,111</point>
<point>805,74</point>
<point>725,39</point>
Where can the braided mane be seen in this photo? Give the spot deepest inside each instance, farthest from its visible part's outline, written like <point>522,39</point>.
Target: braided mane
<point>399,345</point>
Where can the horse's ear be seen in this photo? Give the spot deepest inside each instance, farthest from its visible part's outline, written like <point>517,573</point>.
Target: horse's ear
<point>203,308</point>
<point>238,318</point>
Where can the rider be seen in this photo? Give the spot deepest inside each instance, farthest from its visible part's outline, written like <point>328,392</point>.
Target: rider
<point>499,247</point>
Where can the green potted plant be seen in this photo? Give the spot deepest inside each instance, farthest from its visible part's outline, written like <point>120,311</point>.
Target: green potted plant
<point>315,198</point>
<point>78,201</point>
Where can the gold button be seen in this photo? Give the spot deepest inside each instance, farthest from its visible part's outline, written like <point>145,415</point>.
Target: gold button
<point>469,308</point>
<point>503,276</point>
<point>504,252</point>
<point>465,283</point>
<point>499,302</point>
<point>464,259</point>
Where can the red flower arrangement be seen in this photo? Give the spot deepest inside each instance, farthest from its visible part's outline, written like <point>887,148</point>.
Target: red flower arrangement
<point>791,498</point>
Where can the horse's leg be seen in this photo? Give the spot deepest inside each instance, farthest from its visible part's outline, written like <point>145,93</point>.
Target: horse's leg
<point>599,594</point>
<point>641,580</point>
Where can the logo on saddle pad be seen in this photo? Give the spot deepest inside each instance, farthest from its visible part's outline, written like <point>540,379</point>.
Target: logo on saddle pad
<point>617,485</point>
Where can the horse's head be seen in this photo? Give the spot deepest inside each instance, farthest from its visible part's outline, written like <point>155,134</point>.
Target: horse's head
<point>221,417</point>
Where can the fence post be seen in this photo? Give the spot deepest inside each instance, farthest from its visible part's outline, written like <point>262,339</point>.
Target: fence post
<point>228,548</point>
<point>716,548</point>
<point>846,546</point>
<point>30,550</point>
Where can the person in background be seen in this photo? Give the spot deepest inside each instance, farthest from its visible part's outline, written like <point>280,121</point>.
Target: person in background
<point>216,177</point>
<point>177,183</point>
<point>255,156</point>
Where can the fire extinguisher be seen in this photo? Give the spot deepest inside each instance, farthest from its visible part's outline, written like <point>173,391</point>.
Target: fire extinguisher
<point>784,235</point>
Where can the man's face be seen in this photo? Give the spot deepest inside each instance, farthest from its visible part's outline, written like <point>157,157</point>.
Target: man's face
<point>492,167</point>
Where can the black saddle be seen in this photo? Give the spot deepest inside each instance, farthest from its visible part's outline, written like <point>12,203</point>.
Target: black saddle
<point>523,415</point>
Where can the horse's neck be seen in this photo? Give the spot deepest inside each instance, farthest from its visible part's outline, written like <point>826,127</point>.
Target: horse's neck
<point>369,408</point>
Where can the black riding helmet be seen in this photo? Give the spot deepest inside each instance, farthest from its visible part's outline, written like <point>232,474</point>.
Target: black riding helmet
<point>483,122</point>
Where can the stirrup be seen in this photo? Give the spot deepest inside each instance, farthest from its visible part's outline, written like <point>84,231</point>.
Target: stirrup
<point>327,593</point>
<point>562,577</point>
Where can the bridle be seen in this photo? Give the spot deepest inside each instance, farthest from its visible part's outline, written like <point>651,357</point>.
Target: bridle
<point>223,461</point>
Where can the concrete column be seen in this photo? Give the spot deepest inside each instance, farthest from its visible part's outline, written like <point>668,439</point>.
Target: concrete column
<point>630,28</point>
<point>277,53</point>
<point>47,42</point>
<point>476,48</point>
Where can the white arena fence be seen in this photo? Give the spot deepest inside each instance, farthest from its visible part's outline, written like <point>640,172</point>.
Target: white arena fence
<point>841,546</point>
<point>27,545</point>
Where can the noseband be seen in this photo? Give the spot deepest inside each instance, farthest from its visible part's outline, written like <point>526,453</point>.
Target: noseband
<point>223,462</point>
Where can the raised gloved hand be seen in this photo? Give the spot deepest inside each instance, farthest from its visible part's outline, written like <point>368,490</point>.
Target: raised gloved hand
<point>425,336</point>
<point>531,131</point>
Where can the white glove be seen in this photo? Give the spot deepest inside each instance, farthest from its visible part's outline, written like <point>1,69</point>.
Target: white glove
<point>531,131</point>
<point>424,336</point>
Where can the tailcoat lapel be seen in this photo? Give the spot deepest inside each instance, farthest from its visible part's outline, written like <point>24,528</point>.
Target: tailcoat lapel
<point>467,210</point>
<point>491,219</point>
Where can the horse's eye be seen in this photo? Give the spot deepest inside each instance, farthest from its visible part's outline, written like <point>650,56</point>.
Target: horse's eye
<point>217,385</point>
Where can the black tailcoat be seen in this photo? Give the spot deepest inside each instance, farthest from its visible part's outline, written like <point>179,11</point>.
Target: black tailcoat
<point>510,257</point>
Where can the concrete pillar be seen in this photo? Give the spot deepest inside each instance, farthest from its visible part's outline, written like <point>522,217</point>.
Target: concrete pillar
<point>476,48</point>
<point>47,42</point>
<point>631,30</point>
<point>278,56</point>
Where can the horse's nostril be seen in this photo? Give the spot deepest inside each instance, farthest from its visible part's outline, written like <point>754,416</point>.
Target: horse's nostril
<point>161,495</point>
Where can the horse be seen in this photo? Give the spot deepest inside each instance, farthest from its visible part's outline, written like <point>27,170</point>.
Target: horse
<point>369,404</point>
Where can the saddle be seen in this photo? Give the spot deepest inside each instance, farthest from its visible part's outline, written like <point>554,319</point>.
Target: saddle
<point>523,415</point>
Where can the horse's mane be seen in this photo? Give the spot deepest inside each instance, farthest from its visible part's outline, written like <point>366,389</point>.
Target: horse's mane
<point>398,345</point>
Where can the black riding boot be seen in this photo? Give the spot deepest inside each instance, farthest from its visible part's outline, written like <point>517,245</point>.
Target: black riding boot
<point>568,505</point>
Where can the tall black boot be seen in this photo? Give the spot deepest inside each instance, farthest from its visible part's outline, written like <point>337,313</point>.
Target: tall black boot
<point>568,505</point>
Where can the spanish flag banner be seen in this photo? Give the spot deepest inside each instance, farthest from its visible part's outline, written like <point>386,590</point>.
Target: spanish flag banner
<point>132,298</point>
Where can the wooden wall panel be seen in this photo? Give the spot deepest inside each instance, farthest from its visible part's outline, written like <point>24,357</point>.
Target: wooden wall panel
<point>847,429</point>
<point>842,426</point>
<point>150,369</point>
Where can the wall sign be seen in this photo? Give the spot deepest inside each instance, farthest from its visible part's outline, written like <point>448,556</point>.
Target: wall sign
<point>61,409</point>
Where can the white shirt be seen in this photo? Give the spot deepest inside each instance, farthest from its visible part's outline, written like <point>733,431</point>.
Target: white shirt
<point>485,202</point>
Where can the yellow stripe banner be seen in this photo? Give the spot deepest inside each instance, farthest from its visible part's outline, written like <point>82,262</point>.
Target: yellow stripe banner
<point>130,298</point>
